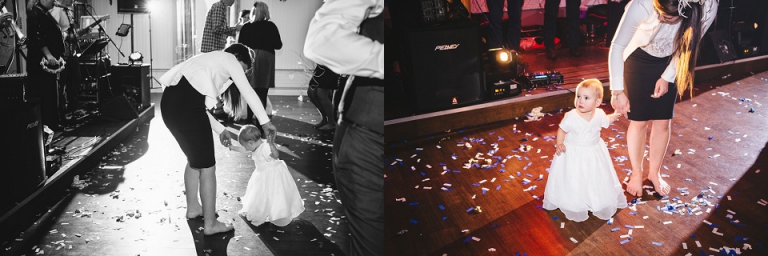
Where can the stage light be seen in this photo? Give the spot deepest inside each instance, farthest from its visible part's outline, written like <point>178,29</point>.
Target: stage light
<point>503,57</point>
<point>135,58</point>
<point>151,6</point>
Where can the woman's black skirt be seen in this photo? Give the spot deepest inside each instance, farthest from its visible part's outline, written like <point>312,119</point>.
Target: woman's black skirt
<point>641,71</point>
<point>184,113</point>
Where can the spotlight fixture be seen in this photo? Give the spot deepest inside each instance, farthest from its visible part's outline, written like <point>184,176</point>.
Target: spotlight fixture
<point>500,70</point>
<point>135,58</point>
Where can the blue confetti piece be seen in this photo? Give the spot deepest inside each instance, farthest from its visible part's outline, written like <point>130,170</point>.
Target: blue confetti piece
<point>629,227</point>
<point>495,226</point>
<point>656,243</point>
<point>498,187</point>
<point>414,203</point>
<point>484,191</point>
<point>442,164</point>
<point>467,240</point>
<point>525,168</point>
<point>445,218</point>
<point>456,171</point>
<point>442,208</point>
<point>693,236</point>
<point>476,184</point>
<point>423,174</point>
<point>555,218</point>
<point>624,241</point>
<point>414,222</point>
<point>502,171</point>
<point>615,229</point>
<point>470,209</point>
<point>711,137</point>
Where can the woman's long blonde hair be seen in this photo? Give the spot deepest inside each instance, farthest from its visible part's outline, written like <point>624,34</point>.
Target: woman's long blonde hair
<point>686,41</point>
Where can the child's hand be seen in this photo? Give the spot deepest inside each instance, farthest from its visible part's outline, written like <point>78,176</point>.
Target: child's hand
<point>614,117</point>
<point>559,149</point>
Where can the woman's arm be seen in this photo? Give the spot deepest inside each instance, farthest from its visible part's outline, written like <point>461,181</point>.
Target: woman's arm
<point>277,43</point>
<point>633,16</point>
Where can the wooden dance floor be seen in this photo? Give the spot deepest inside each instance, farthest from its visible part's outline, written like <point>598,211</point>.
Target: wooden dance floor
<point>433,187</point>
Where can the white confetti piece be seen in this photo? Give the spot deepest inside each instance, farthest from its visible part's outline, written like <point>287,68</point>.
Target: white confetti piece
<point>574,240</point>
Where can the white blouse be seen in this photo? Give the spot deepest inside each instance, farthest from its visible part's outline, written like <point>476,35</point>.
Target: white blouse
<point>640,28</point>
<point>332,38</point>
<point>209,73</point>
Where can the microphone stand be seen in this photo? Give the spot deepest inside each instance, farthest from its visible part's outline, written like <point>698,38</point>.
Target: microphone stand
<point>102,29</point>
<point>108,38</point>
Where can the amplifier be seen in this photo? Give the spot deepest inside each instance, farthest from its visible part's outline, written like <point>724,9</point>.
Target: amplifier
<point>503,88</point>
<point>533,80</point>
<point>12,87</point>
<point>749,51</point>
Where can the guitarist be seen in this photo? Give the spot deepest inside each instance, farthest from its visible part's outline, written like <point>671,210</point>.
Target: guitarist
<point>71,78</point>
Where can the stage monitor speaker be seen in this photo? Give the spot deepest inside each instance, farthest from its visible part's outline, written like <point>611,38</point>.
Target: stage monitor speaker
<point>442,67</point>
<point>134,82</point>
<point>117,109</point>
<point>22,160</point>
<point>716,48</point>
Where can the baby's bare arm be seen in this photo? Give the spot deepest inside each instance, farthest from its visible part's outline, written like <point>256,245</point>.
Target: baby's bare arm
<point>275,154</point>
<point>238,149</point>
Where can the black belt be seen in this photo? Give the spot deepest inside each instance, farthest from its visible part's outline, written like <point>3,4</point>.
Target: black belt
<point>367,81</point>
<point>351,123</point>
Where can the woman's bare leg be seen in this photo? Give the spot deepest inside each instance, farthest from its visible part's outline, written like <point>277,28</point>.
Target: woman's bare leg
<point>191,184</point>
<point>660,133</point>
<point>636,134</point>
<point>208,196</point>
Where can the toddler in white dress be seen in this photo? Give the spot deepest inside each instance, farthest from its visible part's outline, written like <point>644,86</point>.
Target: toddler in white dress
<point>583,178</point>
<point>271,195</point>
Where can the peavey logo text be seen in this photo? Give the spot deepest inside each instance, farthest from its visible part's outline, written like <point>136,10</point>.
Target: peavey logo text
<point>32,124</point>
<point>446,47</point>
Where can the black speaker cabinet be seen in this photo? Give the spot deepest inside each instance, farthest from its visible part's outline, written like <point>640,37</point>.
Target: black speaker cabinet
<point>22,160</point>
<point>716,47</point>
<point>134,82</point>
<point>442,66</point>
